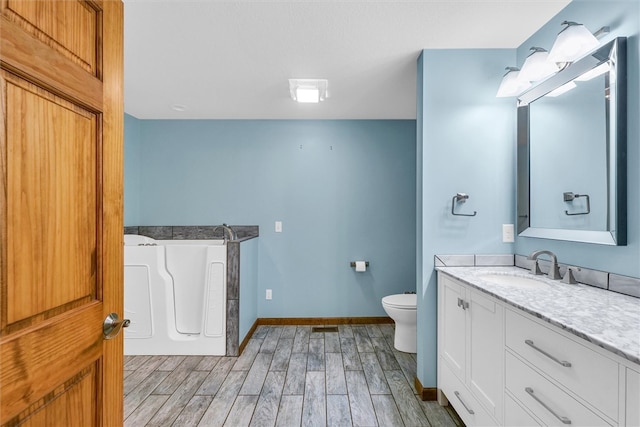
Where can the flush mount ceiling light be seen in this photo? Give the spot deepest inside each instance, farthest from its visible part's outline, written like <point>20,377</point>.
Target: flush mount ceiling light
<point>308,90</point>
<point>573,41</point>
<point>179,107</point>
<point>512,84</point>
<point>537,67</point>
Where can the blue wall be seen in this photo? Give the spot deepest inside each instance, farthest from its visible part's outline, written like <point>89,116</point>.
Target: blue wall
<point>623,18</point>
<point>344,190</point>
<point>131,170</point>
<point>466,145</point>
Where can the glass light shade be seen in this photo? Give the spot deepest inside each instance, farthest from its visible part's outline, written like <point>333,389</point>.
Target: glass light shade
<point>307,95</point>
<point>511,84</point>
<point>537,67</point>
<point>572,42</point>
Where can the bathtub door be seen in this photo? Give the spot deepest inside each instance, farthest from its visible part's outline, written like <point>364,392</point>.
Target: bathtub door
<point>60,211</point>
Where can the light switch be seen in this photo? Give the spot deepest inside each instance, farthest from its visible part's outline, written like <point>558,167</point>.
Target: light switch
<point>278,226</point>
<point>508,235</point>
<point>269,294</point>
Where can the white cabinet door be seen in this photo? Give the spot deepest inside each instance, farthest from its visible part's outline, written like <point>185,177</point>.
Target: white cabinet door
<point>453,327</point>
<point>486,343</point>
<point>633,398</point>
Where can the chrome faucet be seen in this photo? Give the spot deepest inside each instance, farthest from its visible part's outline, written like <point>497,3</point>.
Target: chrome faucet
<point>227,230</point>
<point>554,270</point>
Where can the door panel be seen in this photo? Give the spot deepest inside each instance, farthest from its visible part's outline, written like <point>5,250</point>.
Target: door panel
<point>61,157</point>
<point>51,158</point>
<point>75,36</point>
<point>41,359</point>
<point>454,326</point>
<point>69,403</point>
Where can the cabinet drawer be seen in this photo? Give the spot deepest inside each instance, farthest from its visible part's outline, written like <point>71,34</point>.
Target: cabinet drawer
<point>544,399</point>
<point>590,375</point>
<point>467,407</point>
<point>515,415</point>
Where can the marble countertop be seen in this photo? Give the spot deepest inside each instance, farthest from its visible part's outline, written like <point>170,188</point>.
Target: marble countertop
<point>606,319</point>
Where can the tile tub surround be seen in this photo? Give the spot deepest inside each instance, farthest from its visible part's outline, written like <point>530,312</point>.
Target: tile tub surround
<point>203,232</point>
<point>606,319</point>
<point>191,232</point>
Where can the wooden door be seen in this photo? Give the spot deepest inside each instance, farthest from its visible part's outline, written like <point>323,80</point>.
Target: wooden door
<point>61,160</point>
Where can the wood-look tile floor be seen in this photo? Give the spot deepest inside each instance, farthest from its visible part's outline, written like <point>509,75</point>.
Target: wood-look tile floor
<point>286,376</point>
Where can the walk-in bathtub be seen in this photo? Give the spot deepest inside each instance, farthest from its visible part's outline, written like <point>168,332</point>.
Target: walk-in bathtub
<point>175,296</point>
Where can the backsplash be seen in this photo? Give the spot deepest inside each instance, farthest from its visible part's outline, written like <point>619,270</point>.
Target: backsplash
<point>190,232</point>
<point>601,279</point>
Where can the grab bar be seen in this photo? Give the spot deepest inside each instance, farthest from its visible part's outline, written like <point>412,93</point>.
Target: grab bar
<point>569,196</point>
<point>460,198</point>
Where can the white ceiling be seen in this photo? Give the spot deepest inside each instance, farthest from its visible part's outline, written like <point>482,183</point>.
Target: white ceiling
<point>233,59</point>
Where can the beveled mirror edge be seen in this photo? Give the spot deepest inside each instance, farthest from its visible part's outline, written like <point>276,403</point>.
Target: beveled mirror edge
<point>618,236</point>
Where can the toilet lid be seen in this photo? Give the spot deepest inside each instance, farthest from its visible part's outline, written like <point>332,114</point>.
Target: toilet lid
<point>407,301</point>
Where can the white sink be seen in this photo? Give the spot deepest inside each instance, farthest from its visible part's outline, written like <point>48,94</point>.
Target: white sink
<point>514,281</point>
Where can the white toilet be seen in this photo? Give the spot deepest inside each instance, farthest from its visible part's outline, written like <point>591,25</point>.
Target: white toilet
<point>402,309</point>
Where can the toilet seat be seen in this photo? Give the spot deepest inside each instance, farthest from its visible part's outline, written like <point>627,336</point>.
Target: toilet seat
<point>401,301</point>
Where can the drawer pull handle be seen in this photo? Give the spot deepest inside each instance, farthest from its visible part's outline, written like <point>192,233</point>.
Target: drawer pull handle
<point>462,303</point>
<point>564,420</point>
<point>561,362</point>
<point>463,404</point>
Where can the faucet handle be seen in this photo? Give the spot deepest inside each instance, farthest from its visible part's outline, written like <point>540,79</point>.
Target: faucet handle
<point>535,268</point>
<point>554,271</point>
<point>569,277</point>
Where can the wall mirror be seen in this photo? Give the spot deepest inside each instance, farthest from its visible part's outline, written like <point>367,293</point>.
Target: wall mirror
<point>572,151</point>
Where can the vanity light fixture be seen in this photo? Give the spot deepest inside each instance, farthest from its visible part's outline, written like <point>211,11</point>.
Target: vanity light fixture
<point>537,66</point>
<point>573,41</point>
<point>308,90</point>
<point>512,84</point>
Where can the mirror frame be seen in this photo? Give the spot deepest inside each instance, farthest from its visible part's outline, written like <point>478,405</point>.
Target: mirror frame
<point>617,147</point>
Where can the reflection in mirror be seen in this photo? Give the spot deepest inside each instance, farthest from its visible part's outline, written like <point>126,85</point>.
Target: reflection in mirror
<point>569,156</point>
<point>571,152</point>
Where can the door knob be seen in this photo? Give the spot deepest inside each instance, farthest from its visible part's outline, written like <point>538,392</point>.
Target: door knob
<point>113,325</point>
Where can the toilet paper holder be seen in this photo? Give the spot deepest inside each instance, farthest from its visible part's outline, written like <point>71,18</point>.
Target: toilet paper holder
<point>353,264</point>
<point>460,198</point>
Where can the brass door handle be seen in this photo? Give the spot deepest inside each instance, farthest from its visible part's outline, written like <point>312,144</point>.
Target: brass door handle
<point>112,326</point>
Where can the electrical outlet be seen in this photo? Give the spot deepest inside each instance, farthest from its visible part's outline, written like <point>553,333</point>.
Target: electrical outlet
<point>508,235</point>
<point>278,226</point>
<point>269,294</point>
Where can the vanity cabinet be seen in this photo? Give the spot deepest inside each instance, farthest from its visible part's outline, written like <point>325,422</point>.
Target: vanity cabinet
<point>632,391</point>
<point>536,354</point>
<point>471,352</point>
<point>499,365</point>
